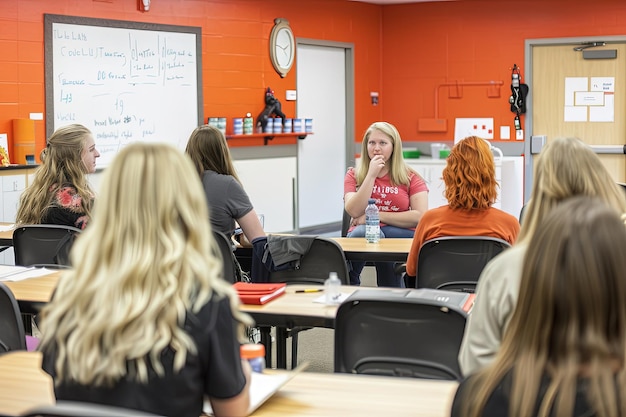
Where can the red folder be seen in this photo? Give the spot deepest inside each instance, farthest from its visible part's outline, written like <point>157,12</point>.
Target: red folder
<point>250,293</point>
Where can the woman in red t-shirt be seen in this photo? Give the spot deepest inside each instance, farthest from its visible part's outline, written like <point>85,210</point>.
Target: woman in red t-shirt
<point>400,193</point>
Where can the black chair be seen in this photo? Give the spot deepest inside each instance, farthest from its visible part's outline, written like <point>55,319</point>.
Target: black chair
<point>455,262</point>
<point>43,244</point>
<point>395,335</point>
<point>82,409</point>
<point>345,223</point>
<point>226,253</point>
<point>324,256</point>
<point>12,336</point>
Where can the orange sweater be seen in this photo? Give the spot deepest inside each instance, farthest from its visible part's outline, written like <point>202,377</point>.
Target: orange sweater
<point>444,221</point>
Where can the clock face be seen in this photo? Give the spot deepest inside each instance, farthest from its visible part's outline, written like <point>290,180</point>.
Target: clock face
<point>284,48</point>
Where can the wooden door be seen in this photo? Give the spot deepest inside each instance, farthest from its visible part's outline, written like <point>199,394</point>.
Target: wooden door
<point>554,72</point>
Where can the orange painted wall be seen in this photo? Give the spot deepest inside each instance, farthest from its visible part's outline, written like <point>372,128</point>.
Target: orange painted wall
<point>235,60</point>
<point>401,51</point>
<point>427,44</point>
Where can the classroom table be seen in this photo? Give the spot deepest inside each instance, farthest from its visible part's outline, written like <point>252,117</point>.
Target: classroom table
<point>31,294</point>
<point>23,385</point>
<point>6,236</point>
<point>357,249</point>
<point>287,311</point>
<point>388,249</point>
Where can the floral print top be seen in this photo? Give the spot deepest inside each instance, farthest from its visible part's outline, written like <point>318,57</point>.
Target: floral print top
<point>65,208</point>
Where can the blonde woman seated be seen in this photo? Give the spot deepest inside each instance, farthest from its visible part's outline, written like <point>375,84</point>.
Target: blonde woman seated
<point>60,192</point>
<point>563,352</point>
<point>400,193</point>
<point>470,179</point>
<point>566,167</point>
<point>144,320</point>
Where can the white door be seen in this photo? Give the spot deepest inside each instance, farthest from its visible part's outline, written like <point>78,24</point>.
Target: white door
<point>321,90</point>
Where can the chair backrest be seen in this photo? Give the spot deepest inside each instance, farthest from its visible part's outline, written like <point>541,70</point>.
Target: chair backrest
<point>455,262</point>
<point>43,244</point>
<point>81,409</point>
<point>11,326</point>
<point>345,223</point>
<point>227,255</point>
<point>398,336</point>
<point>324,256</point>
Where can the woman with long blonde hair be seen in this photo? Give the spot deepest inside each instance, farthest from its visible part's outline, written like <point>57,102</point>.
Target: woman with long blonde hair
<point>563,352</point>
<point>60,192</point>
<point>400,193</point>
<point>566,167</point>
<point>145,320</point>
<point>471,191</point>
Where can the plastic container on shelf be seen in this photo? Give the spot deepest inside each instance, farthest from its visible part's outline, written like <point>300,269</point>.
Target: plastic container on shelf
<point>278,125</point>
<point>269,127</point>
<point>288,126</point>
<point>248,124</point>
<point>308,125</point>
<point>238,126</point>
<point>298,126</point>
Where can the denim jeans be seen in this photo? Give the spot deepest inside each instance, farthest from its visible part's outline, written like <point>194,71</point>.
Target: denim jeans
<point>385,274</point>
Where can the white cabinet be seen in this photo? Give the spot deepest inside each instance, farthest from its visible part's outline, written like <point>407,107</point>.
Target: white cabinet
<point>509,174</point>
<point>12,183</point>
<point>270,184</point>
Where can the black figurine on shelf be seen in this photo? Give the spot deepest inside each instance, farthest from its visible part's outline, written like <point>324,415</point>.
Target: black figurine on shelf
<point>272,106</point>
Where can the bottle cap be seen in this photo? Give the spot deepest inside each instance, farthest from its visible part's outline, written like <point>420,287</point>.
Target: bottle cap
<point>371,201</point>
<point>252,350</point>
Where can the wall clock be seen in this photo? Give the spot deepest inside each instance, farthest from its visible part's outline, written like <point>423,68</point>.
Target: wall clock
<point>282,46</point>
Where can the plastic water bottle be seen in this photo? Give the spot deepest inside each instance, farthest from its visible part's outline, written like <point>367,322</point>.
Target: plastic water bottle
<point>332,287</point>
<point>372,222</point>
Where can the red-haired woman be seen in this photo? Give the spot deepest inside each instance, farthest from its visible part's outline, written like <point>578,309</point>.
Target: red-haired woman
<point>470,178</point>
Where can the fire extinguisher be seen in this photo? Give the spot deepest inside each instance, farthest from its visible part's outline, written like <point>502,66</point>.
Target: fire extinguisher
<point>519,91</point>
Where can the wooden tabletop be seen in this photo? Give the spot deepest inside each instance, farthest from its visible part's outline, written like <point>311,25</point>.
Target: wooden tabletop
<point>35,290</point>
<point>23,385</point>
<point>388,249</point>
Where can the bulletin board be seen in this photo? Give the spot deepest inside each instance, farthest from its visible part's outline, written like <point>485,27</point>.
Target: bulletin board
<point>125,81</point>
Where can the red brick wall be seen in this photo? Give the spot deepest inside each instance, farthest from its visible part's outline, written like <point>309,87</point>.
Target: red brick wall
<point>428,44</point>
<point>235,60</point>
<point>402,51</point>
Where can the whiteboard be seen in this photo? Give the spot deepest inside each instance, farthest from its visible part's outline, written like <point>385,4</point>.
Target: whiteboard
<point>124,81</point>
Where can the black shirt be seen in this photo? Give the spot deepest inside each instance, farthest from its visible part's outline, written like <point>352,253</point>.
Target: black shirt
<point>215,371</point>
<point>498,403</point>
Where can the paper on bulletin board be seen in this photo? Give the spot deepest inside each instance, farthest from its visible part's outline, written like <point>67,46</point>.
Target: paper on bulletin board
<point>481,127</point>
<point>589,99</point>
<point>606,111</point>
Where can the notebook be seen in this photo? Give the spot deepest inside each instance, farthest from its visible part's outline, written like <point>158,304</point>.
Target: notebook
<point>262,387</point>
<point>253,293</point>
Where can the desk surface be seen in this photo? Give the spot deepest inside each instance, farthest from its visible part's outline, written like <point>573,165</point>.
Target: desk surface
<point>288,308</point>
<point>388,249</point>
<point>356,249</point>
<point>6,236</point>
<point>23,385</point>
